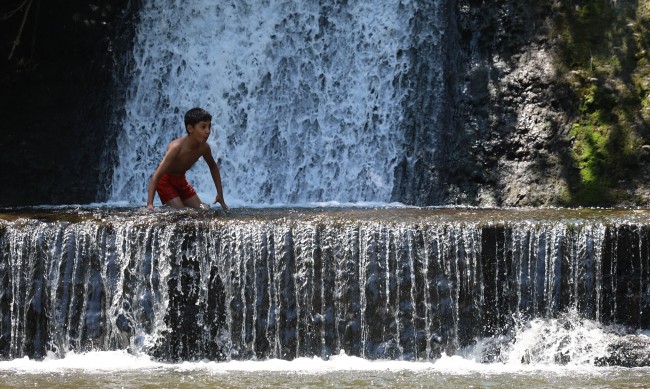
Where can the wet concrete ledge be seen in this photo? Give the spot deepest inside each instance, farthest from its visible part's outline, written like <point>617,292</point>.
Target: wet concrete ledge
<point>488,216</point>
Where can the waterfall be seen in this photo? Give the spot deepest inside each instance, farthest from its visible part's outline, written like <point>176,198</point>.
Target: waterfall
<point>397,284</point>
<point>308,98</point>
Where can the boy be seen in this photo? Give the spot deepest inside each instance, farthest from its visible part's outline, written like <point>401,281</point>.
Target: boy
<point>169,178</point>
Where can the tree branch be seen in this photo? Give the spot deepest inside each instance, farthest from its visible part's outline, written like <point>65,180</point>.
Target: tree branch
<point>14,11</point>
<point>22,25</point>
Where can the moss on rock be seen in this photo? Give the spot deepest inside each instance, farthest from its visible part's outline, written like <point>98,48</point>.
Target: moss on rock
<point>602,47</point>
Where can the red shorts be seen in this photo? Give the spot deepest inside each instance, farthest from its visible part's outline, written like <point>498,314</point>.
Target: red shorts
<point>170,187</point>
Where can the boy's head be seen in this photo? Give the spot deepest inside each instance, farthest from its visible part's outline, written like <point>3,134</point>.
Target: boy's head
<point>196,115</point>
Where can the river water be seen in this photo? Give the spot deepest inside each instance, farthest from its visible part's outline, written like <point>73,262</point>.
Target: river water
<point>119,369</point>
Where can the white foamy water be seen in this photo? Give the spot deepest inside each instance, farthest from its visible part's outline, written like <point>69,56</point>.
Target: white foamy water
<point>102,361</point>
<point>119,369</point>
<point>122,361</point>
<point>306,97</point>
<point>539,338</point>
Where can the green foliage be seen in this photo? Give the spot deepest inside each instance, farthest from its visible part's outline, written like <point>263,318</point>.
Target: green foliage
<point>603,51</point>
<point>591,153</point>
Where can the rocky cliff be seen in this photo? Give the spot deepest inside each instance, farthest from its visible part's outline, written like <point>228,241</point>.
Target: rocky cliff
<point>552,104</point>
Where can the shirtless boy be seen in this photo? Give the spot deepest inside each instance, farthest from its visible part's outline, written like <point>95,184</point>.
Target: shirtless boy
<point>169,178</point>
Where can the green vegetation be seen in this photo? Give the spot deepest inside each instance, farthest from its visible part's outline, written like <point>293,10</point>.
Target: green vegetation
<point>603,55</point>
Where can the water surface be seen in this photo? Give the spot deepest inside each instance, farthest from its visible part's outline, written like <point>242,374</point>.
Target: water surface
<point>117,370</point>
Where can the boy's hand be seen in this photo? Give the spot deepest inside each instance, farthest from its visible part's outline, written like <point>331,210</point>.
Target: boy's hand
<point>219,199</point>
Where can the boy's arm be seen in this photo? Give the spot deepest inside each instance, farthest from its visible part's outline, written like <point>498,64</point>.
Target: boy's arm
<point>153,184</point>
<point>216,177</point>
<point>160,170</point>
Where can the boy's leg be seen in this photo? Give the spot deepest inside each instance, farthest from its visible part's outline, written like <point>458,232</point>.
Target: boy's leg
<point>194,201</point>
<point>176,202</point>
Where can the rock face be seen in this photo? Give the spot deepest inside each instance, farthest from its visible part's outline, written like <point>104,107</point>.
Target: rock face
<point>519,102</point>
<point>512,117</point>
<point>58,96</point>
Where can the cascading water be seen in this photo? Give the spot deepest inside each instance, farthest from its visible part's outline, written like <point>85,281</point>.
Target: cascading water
<point>398,284</point>
<point>307,97</point>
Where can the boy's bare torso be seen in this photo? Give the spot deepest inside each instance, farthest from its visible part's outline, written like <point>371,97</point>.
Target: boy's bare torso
<point>185,153</point>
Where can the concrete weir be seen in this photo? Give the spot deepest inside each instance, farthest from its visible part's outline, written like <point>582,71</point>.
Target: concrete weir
<point>381,283</point>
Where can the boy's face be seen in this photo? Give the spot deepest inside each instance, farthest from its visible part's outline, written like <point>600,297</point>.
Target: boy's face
<point>200,131</point>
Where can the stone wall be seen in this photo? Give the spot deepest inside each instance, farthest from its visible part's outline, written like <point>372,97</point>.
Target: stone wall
<point>511,118</point>
<point>397,284</point>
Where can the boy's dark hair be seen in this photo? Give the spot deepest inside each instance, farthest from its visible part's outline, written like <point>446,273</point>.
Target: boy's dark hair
<point>196,115</point>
